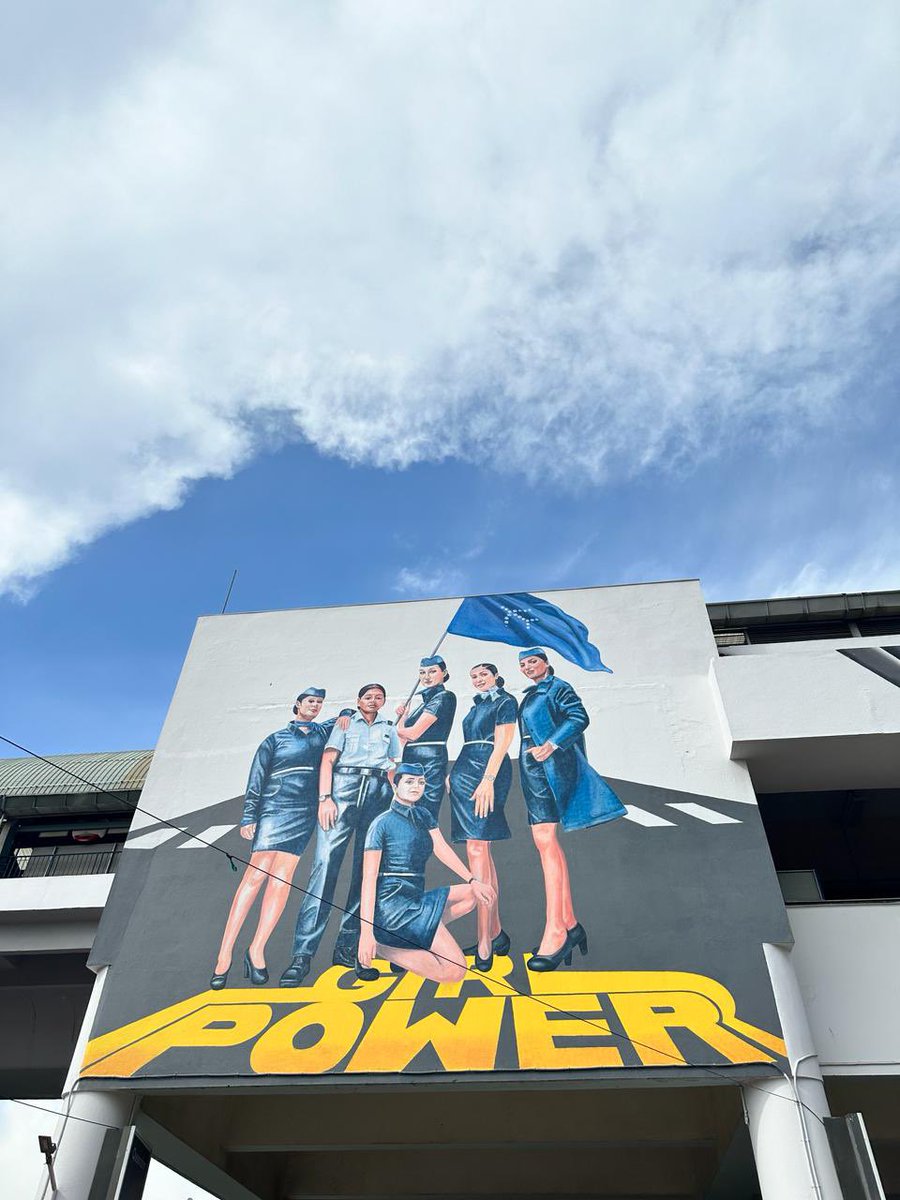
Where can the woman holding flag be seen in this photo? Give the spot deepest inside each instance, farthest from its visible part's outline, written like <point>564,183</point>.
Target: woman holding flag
<point>560,786</point>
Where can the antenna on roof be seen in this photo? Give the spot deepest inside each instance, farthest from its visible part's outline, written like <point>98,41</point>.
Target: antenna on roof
<point>230,586</point>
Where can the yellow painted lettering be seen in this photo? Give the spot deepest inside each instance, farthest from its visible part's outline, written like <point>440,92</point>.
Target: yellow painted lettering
<point>468,1044</point>
<point>648,1016</point>
<point>209,1025</point>
<point>540,1029</point>
<point>276,1054</point>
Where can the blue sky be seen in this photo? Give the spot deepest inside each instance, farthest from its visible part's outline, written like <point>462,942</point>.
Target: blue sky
<point>95,650</point>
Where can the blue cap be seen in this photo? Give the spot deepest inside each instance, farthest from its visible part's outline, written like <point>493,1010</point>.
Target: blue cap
<point>312,691</point>
<point>434,661</point>
<point>415,769</point>
<point>533,652</point>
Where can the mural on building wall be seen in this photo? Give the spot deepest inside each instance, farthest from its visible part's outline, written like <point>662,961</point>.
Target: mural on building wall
<point>373,867</point>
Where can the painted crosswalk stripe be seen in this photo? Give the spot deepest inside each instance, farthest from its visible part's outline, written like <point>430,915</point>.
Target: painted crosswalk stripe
<point>704,814</point>
<point>148,841</point>
<point>641,817</point>
<point>208,835</point>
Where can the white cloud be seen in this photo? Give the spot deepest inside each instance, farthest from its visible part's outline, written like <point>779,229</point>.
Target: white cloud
<point>586,239</point>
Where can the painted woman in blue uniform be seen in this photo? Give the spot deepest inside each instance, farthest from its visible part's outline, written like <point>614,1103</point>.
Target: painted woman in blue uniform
<point>401,921</point>
<point>479,785</point>
<point>561,788</point>
<point>280,808</point>
<point>424,730</point>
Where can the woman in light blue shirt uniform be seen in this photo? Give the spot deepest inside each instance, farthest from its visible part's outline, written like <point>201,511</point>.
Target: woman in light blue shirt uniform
<point>280,808</point>
<point>479,784</point>
<point>561,788</point>
<point>425,730</point>
<point>401,921</point>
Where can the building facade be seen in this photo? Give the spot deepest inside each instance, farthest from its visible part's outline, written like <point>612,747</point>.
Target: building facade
<point>714,819</point>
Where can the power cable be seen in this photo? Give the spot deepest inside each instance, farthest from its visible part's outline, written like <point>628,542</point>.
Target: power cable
<point>233,858</point>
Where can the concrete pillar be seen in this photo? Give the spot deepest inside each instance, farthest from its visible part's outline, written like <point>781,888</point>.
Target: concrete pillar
<point>793,1158</point>
<point>86,1135</point>
<point>86,1149</point>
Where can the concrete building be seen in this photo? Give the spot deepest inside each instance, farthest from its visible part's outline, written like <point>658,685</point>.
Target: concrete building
<point>797,698</point>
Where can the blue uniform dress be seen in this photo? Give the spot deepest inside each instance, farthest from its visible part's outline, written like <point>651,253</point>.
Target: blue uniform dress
<point>431,751</point>
<point>492,708</point>
<point>282,797</point>
<point>565,788</point>
<point>406,916</point>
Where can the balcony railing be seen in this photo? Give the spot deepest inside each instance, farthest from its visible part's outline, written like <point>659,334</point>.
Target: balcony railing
<point>40,862</point>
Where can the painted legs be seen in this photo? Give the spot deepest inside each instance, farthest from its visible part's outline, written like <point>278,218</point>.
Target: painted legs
<point>481,864</point>
<point>275,869</point>
<point>444,961</point>
<point>560,914</point>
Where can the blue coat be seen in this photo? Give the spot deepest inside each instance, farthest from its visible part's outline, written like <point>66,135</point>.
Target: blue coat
<point>551,711</point>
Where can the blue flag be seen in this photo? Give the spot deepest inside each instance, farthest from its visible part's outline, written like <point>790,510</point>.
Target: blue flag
<point>520,619</point>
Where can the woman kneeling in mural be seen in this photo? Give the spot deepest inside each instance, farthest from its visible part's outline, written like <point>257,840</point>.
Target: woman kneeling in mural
<point>400,920</point>
<point>560,787</point>
<point>479,785</point>
<point>280,809</point>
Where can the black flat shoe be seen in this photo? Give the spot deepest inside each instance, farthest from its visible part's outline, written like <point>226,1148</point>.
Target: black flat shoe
<point>483,964</point>
<point>549,962</point>
<point>218,981</point>
<point>256,975</point>
<point>297,971</point>
<point>368,974</point>
<point>396,969</point>
<point>500,946</point>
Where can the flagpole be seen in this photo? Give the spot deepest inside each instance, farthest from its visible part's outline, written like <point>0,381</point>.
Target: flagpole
<point>437,647</point>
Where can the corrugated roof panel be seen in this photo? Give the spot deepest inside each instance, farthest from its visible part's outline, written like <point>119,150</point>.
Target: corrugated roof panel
<point>115,771</point>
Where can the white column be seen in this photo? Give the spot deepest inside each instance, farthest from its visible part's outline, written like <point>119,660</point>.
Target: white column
<point>80,1141</point>
<point>80,1133</point>
<point>793,1158</point>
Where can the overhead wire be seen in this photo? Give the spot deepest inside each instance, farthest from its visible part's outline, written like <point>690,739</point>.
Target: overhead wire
<point>605,1029</point>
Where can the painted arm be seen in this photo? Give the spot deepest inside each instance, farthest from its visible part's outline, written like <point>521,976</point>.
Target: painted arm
<point>256,785</point>
<point>371,863</point>
<point>484,793</point>
<point>571,718</point>
<point>412,733</point>
<point>445,853</point>
<point>327,808</point>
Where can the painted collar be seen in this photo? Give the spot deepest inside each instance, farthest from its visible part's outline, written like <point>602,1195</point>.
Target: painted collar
<point>429,692</point>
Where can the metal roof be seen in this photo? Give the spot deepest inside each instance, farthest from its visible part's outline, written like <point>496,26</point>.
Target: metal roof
<point>847,606</point>
<point>115,771</point>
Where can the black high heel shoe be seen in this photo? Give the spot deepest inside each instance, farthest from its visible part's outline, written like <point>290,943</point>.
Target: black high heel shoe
<point>218,981</point>
<point>483,964</point>
<point>577,936</point>
<point>396,969</point>
<point>549,962</point>
<point>500,946</point>
<point>256,975</point>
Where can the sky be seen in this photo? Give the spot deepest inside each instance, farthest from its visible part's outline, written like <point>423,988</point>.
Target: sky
<point>377,301</point>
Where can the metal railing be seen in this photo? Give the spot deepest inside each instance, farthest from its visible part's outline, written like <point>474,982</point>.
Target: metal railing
<point>40,862</point>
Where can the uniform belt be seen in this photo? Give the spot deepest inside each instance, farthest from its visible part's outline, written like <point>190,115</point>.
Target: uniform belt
<point>526,737</point>
<point>479,742</point>
<point>290,770</point>
<point>375,772</point>
<point>426,743</point>
<point>401,874</point>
